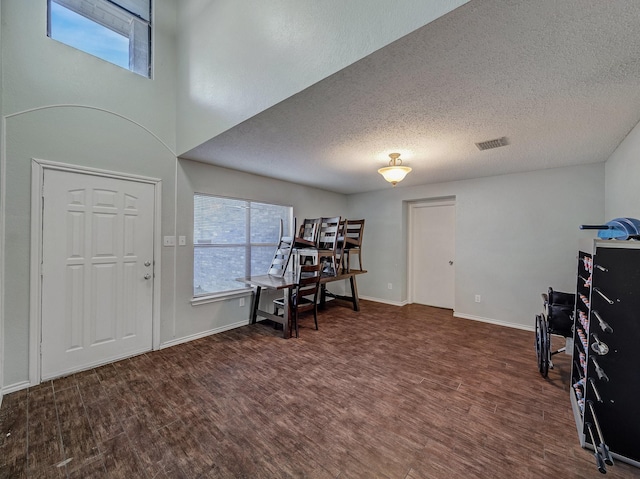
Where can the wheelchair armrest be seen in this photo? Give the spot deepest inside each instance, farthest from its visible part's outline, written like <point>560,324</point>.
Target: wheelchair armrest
<point>545,298</point>
<point>545,305</point>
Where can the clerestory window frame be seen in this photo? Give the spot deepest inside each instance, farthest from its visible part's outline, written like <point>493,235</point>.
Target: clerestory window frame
<point>130,19</point>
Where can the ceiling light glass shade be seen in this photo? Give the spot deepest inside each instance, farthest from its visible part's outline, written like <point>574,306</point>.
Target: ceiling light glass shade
<point>395,172</point>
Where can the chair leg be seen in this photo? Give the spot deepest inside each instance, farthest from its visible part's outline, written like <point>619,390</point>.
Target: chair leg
<point>293,325</point>
<point>275,312</point>
<point>315,315</point>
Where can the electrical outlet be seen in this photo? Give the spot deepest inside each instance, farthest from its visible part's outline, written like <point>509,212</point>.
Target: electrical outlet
<point>241,302</point>
<point>389,286</point>
<point>478,298</point>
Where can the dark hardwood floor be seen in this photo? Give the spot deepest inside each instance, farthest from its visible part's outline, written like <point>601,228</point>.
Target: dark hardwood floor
<point>399,393</point>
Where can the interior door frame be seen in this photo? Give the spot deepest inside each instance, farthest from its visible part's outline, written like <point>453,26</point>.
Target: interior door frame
<point>446,201</point>
<point>38,168</point>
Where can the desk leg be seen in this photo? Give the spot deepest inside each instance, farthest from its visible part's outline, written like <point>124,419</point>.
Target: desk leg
<point>286,315</point>
<point>354,292</point>
<point>256,302</point>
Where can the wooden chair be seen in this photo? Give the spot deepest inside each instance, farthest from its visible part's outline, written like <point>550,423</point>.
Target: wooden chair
<point>282,255</point>
<point>353,232</point>
<point>304,296</point>
<point>328,253</point>
<point>308,234</point>
<point>340,246</point>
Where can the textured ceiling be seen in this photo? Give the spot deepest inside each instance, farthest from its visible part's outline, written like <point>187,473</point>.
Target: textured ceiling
<point>559,80</point>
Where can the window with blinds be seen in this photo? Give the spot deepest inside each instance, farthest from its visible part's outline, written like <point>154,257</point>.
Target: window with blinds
<point>233,238</point>
<point>118,31</point>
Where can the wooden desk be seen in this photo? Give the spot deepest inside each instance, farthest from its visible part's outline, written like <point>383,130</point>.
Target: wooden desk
<point>287,281</point>
<point>351,276</point>
<point>271,282</point>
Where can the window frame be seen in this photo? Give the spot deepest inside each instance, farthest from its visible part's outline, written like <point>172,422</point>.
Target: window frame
<point>132,34</point>
<point>248,245</point>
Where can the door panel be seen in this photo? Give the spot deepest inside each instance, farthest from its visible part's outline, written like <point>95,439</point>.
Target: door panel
<point>73,306</point>
<point>433,255</point>
<point>96,302</point>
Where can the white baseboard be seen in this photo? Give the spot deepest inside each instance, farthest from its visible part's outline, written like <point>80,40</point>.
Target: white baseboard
<point>11,388</point>
<point>384,301</point>
<point>203,334</point>
<point>494,321</point>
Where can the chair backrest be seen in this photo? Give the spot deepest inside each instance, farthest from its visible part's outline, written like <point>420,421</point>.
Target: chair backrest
<point>307,237</point>
<point>308,285</point>
<point>559,312</point>
<point>329,232</point>
<point>341,229</point>
<point>309,229</point>
<point>558,297</point>
<point>282,255</point>
<point>354,230</point>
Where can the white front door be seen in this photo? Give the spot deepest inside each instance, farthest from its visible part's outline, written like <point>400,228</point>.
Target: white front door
<point>432,254</point>
<point>97,270</point>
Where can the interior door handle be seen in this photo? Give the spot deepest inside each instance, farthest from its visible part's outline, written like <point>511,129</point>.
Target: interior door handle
<point>147,276</point>
<point>450,263</point>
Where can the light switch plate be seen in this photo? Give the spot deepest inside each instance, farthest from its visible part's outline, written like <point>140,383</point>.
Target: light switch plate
<point>182,240</point>
<point>169,241</point>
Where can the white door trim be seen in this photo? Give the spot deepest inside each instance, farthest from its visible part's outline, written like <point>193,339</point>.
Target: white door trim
<point>448,201</point>
<point>35,294</point>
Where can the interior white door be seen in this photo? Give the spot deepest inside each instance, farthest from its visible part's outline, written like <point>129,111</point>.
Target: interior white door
<point>433,254</point>
<point>97,270</point>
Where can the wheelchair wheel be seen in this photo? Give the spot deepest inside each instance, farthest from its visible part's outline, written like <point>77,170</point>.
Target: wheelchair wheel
<point>539,340</point>
<point>546,350</point>
<point>542,345</point>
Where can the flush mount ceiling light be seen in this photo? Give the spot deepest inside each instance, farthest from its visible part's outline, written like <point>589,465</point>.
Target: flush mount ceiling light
<point>395,172</point>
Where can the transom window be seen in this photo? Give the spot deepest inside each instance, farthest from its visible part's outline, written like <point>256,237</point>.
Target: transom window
<point>233,238</point>
<point>118,31</point>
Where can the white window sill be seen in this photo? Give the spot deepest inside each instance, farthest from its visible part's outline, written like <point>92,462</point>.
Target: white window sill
<point>214,298</point>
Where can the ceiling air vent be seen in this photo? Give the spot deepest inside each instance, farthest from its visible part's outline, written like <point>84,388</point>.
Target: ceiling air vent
<point>487,145</point>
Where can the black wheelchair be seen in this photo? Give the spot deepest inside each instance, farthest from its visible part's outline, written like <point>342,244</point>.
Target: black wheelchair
<point>557,318</point>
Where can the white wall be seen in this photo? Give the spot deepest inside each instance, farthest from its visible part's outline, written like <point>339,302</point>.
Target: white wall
<point>516,235</point>
<point>239,58</point>
<point>2,177</point>
<point>120,121</point>
<point>194,177</point>
<point>623,179</point>
<point>40,71</point>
